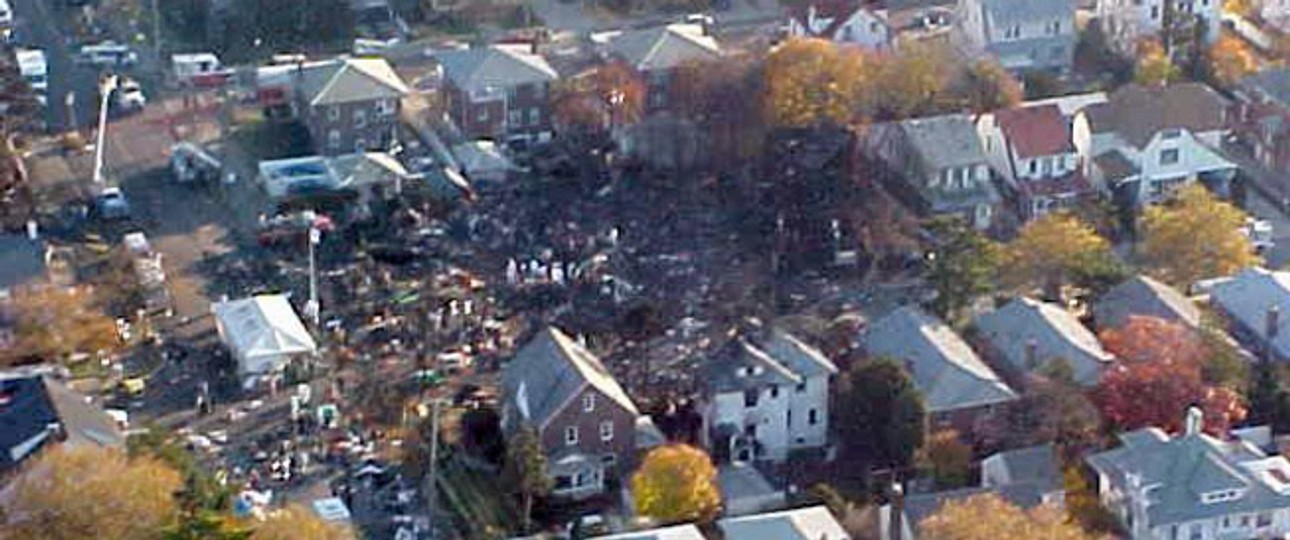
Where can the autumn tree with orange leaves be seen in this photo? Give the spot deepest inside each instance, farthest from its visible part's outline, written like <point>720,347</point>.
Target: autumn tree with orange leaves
<point>610,96</point>
<point>1158,375</point>
<point>1230,59</point>
<point>811,82</point>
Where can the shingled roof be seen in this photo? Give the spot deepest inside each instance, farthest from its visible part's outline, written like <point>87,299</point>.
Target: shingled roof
<point>1036,131</point>
<point>1137,113</point>
<point>548,372</point>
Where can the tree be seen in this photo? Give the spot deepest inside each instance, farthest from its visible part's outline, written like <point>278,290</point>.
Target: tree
<point>54,323</point>
<point>1158,376</point>
<point>1230,59</point>
<point>205,525</point>
<point>296,522</point>
<point>676,483</point>
<point>948,458</point>
<point>913,82</point>
<point>725,100</point>
<point>526,470</point>
<point>988,517</point>
<point>963,266</point>
<point>1052,410</point>
<point>481,433</point>
<point>811,82</point>
<point>610,96</point>
<point>1153,66</point>
<point>1051,250</point>
<point>90,492</point>
<point>879,413</point>
<point>986,86</point>
<point>1195,236</point>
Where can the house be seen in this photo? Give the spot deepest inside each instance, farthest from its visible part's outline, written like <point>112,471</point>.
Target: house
<point>657,53</point>
<point>38,411</point>
<point>1253,302</point>
<point>349,104</point>
<point>810,523</point>
<point>1025,478</point>
<point>1265,118</point>
<point>674,532</point>
<point>959,390</point>
<point>1147,141</point>
<point>1026,36</point>
<point>1040,154</point>
<point>499,92</point>
<point>1026,336</point>
<point>761,399</point>
<point>1274,13</point>
<point>263,334</point>
<point>745,490</point>
<point>369,175</point>
<point>1125,23</point>
<point>1143,296</point>
<point>938,165</point>
<point>584,420</point>
<point>1192,485</point>
<point>919,21</point>
<point>848,22</point>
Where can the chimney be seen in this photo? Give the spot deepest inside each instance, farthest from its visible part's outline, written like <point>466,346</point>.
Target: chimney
<point>1195,421</point>
<point>1032,354</point>
<point>533,46</point>
<point>1271,322</point>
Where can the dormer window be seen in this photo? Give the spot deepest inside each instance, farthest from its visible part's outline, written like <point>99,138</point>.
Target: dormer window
<point>1225,495</point>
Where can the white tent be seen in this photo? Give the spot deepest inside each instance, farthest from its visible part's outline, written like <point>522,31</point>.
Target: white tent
<point>263,333</point>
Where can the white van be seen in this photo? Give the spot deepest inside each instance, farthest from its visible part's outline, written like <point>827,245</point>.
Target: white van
<point>35,70</point>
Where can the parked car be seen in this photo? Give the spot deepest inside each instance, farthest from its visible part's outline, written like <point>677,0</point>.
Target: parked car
<point>111,204</point>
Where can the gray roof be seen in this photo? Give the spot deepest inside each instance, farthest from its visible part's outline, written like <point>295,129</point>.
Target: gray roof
<point>1005,12</point>
<point>665,47</point>
<point>675,532</point>
<point>1145,297</point>
<point>478,69</point>
<point>1054,333</point>
<point>780,359</point>
<point>947,372</point>
<point>1249,295</point>
<point>346,80</point>
<point>24,260</point>
<point>811,523</point>
<point>550,371</point>
<point>949,140</point>
<point>1036,465</point>
<point>1273,83</point>
<point>1187,466</point>
<point>1137,113</point>
<point>33,404</point>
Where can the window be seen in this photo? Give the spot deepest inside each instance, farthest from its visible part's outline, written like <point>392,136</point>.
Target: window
<point>333,138</point>
<point>482,114</point>
<point>1245,521</point>
<point>360,118</point>
<point>589,403</point>
<point>535,116</point>
<point>385,107</point>
<point>607,431</point>
<point>1155,12</point>
<point>512,94</point>
<point>812,417</point>
<point>1264,520</point>
<point>1033,166</point>
<point>609,460</point>
<point>1196,532</point>
<point>571,435</point>
<point>750,397</point>
<point>1169,156</point>
<point>515,118</point>
<point>563,482</point>
<point>360,145</point>
<point>333,113</point>
<point>788,418</point>
<point>774,391</point>
<point>801,387</point>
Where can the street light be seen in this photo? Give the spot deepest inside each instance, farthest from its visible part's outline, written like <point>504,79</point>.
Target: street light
<point>106,86</point>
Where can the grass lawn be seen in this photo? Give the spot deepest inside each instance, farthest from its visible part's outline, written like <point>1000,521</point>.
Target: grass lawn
<point>476,500</point>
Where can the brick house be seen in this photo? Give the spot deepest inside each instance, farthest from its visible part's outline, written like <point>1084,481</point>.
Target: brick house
<point>585,421</point>
<point>499,92</point>
<point>657,53</point>
<point>349,104</point>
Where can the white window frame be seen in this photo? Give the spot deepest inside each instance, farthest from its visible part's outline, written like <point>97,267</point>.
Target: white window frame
<point>333,113</point>
<point>571,436</point>
<point>535,116</point>
<point>607,431</point>
<point>333,138</point>
<point>360,118</point>
<point>589,402</point>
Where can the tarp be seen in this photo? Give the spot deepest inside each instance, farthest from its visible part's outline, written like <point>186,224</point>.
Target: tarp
<point>262,332</point>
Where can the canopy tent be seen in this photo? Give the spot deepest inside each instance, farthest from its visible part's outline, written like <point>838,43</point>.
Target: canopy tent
<point>262,332</point>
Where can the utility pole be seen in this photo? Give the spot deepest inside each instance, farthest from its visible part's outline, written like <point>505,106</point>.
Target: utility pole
<point>156,29</point>
<point>433,498</point>
<point>313,309</point>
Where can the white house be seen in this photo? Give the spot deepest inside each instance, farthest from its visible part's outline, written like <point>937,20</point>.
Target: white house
<point>1041,156</point>
<point>1025,35</point>
<point>1148,141</point>
<point>763,398</point>
<point>846,22</point>
<point>1275,13</point>
<point>1193,486</point>
<point>1126,22</point>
